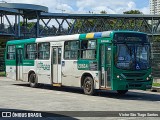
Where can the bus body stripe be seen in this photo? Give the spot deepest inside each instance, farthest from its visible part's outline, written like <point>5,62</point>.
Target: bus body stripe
<point>106,34</point>
<point>58,38</point>
<point>98,35</point>
<point>90,35</point>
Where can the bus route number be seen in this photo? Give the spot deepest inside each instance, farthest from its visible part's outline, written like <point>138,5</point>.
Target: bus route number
<point>82,66</point>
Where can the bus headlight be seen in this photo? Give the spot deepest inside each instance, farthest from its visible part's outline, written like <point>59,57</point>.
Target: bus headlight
<point>148,78</point>
<point>118,76</point>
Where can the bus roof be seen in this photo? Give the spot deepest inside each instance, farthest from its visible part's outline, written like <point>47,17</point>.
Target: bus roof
<point>93,35</point>
<point>22,41</point>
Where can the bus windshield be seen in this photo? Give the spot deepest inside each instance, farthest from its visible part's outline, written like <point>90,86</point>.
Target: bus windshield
<point>132,56</point>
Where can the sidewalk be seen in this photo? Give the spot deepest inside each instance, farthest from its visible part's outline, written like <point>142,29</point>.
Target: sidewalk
<point>155,89</point>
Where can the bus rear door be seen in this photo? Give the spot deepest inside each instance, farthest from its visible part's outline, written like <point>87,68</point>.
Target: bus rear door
<point>19,64</point>
<point>105,65</point>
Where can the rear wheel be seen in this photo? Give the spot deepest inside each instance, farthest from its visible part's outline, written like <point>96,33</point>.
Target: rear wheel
<point>122,92</point>
<point>32,80</point>
<point>88,86</point>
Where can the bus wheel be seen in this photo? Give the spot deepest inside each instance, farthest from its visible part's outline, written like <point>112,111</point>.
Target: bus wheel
<point>32,80</point>
<point>122,92</point>
<point>88,86</point>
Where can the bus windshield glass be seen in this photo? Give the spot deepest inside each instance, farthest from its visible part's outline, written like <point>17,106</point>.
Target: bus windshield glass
<point>132,56</point>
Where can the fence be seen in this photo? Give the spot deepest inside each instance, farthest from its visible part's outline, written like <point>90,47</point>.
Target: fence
<point>2,61</point>
<point>156,60</point>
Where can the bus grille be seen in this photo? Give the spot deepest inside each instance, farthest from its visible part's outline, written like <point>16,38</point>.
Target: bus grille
<point>135,85</point>
<point>134,74</point>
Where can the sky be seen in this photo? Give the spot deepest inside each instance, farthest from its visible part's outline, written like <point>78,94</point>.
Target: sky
<point>84,6</point>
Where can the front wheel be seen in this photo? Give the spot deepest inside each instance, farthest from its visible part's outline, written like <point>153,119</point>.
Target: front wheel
<point>88,86</point>
<point>32,80</point>
<point>122,92</point>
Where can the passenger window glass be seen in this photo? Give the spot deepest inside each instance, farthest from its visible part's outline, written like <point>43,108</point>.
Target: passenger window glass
<point>88,49</point>
<point>31,51</point>
<point>71,49</point>
<point>54,56</point>
<point>59,55</point>
<point>44,51</point>
<point>11,52</point>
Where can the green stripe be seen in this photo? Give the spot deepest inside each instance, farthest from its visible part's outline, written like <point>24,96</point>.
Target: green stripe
<point>28,62</point>
<point>25,63</point>
<point>10,62</point>
<point>23,41</point>
<point>82,36</point>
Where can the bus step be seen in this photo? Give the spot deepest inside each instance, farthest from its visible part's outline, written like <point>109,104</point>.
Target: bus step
<point>57,84</point>
<point>105,88</point>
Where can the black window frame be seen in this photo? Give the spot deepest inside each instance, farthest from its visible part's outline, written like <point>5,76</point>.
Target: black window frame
<point>38,51</point>
<point>71,50</point>
<point>86,49</point>
<point>31,51</point>
<point>11,52</point>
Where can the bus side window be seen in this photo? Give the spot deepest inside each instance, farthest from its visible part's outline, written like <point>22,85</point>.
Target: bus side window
<point>88,49</point>
<point>44,51</point>
<point>11,52</point>
<point>71,50</point>
<point>31,51</point>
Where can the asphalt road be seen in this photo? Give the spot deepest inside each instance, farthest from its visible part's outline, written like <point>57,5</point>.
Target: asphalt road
<point>17,95</point>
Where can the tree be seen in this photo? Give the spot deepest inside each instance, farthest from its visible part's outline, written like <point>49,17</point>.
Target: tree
<point>89,24</point>
<point>131,23</point>
<point>132,12</point>
<point>103,12</point>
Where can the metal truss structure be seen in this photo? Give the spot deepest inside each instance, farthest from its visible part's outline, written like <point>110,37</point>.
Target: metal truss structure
<point>25,21</point>
<point>82,23</point>
<point>19,21</point>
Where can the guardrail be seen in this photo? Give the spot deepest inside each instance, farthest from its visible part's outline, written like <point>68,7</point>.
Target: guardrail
<point>2,61</point>
<point>156,59</point>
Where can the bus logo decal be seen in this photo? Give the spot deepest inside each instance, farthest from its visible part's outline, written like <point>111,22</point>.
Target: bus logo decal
<point>43,66</point>
<point>82,66</point>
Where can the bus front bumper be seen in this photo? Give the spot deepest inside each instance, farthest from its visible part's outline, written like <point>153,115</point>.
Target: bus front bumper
<point>133,85</point>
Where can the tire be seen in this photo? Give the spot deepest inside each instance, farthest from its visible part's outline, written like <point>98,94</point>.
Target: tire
<point>32,80</point>
<point>122,92</point>
<point>88,86</point>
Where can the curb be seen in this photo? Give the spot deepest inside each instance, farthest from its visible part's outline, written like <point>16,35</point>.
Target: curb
<point>155,89</point>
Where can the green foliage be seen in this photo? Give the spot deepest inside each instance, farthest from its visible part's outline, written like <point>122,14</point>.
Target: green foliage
<point>88,23</point>
<point>156,39</point>
<point>112,23</point>
<point>132,12</point>
<point>2,74</point>
<point>156,84</point>
<point>2,44</point>
<point>30,25</point>
<point>139,23</point>
<point>103,12</point>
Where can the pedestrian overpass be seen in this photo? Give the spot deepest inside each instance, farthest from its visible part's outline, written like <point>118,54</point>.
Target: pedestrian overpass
<point>28,21</point>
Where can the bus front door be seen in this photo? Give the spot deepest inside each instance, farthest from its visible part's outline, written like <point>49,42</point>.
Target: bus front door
<point>19,64</point>
<point>56,64</point>
<point>105,61</point>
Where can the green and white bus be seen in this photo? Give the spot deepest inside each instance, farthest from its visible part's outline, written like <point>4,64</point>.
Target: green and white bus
<point>111,60</point>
